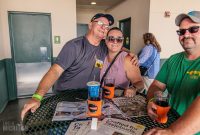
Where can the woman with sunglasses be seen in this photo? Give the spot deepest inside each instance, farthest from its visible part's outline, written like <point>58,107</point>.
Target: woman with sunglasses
<point>122,70</point>
<point>149,57</point>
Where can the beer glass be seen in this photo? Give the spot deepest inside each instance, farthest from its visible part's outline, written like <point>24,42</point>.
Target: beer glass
<point>162,103</point>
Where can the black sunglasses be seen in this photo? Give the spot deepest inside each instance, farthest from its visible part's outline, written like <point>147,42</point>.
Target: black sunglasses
<point>193,29</point>
<point>113,39</point>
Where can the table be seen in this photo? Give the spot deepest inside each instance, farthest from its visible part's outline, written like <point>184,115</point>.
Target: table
<point>41,122</point>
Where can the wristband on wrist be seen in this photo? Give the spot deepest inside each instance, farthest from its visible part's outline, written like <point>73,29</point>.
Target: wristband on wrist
<point>37,96</point>
<point>151,100</point>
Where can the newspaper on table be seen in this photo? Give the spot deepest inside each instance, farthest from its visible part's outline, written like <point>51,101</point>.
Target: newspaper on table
<point>84,130</point>
<point>74,127</point>
<point>70,110</point>
<point>131,107</point>
<point>77,110</point>
<point>110,109</point>
<point>111,126</point>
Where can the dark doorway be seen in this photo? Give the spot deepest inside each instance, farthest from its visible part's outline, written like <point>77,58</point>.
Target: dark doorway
<point>125,26</point>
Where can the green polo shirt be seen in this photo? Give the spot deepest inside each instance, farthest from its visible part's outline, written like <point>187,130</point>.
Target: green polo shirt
<point>182,79</point>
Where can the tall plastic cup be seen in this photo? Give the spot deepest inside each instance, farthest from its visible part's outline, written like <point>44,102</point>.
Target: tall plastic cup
<point>162,103</point>
<point>94,99</point>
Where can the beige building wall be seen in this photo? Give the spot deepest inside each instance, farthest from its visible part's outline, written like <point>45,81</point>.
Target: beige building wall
<point>146,15</point>
<point>63,17</point>
<point>84,15</point>
<point>163,27</point>
<point>1,46</point>
<point>138,10</point>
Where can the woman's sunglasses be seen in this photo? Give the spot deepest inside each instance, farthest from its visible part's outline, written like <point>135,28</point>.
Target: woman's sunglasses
<point>193,29</point>
<point>113,39</point>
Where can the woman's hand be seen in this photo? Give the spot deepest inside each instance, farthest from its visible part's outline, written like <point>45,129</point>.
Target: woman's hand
<point>130,92</point>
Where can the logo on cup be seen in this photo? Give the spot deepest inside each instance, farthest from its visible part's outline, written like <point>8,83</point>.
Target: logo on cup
<point>92,108</point>
<point>106,92</point>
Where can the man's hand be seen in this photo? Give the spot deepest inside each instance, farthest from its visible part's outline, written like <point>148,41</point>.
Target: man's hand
<point>32,105</point>
<point>134,59</point>
<point>159,131</point>
<point>151,110</point>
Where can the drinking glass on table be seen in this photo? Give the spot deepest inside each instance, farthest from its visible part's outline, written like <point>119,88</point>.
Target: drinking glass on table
<point>162,103</point>
<point>109,88</point>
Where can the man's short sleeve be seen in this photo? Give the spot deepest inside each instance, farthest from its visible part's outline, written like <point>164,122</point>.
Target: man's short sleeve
<point>163,73</point>
<point>66,56</point>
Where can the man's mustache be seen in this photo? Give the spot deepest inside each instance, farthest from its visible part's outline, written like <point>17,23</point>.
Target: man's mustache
<point>186,38</point>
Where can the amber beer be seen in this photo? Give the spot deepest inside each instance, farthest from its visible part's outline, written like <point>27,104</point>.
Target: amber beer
<point>162,104</point>
<point>94,99</point>
<point>162,110</point>
<point>109,88</point>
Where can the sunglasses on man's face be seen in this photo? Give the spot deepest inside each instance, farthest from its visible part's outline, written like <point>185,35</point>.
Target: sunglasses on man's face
<point>100,23</point>
<point>113,39</point>
<point>193,29</point>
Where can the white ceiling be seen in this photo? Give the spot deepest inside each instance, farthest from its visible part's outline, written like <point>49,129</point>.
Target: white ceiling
<point>101,4</point>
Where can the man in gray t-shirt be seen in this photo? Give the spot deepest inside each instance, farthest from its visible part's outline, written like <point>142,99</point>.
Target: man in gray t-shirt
<point>78,58</point>
<point>78,62</point>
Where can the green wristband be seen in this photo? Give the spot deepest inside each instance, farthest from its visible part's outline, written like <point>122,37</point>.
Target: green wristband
<point>37,96</point>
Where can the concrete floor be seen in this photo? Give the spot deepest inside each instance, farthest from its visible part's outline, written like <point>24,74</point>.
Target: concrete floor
<point>10,121</point>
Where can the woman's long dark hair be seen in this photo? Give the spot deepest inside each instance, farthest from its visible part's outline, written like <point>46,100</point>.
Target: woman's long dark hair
<point>149,38</point>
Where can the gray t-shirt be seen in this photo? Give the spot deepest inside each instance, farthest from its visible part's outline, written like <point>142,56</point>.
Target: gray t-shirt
<point>78,58</point>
